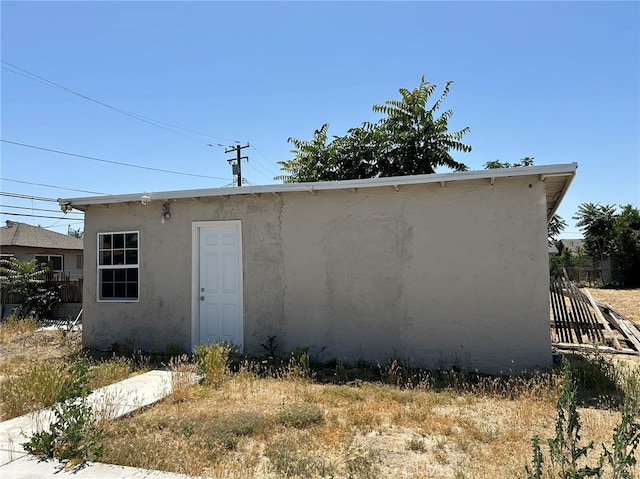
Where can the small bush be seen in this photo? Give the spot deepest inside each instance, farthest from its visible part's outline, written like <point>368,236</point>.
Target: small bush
<point>569,454</point>
<point>301,416</point>
<point>416,444</point>
<point>595,373</point>
<point>289,460</point>
<point>74,435</point>
<point>227,430</point>
<point>212,359</point>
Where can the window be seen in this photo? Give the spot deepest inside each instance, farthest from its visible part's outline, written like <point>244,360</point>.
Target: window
<point>54,261</point>
<point>118,266</point>
<point>79,261</point>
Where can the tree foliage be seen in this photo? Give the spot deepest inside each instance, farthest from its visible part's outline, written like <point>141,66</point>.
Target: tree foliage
<point>609,232</point>
<point>411,138</point>
<point>492,165</point>
<point>28,282</point>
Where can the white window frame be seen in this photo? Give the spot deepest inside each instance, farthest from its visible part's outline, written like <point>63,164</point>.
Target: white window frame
<point>101,268</point>
<point>48,261</point>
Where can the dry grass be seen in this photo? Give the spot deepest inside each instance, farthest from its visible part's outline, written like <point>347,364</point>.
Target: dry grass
<point>283,427</point>
<point>287,425</point>
<point>38,367</point>
<point>625,301</point>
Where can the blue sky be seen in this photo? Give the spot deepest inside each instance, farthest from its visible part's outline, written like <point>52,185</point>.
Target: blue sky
<point>558,81</point>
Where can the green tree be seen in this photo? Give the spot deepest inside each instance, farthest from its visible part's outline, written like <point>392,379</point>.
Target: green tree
<point>492,165</point>
<point>608,232</point>
<point>410,139</point>
<point>76,233</point>
<point>626,244</point>
<point>28,282</point>
<point>596,222</point>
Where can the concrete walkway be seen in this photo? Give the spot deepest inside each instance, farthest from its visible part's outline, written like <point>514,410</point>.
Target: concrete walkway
<point>110,402</point>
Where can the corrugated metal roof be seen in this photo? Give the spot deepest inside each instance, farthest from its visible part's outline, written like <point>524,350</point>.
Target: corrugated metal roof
<point>557,179</point>
<point>21,234</point>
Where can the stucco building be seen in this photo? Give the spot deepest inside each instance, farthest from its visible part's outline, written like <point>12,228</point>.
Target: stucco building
<point>442,269</point>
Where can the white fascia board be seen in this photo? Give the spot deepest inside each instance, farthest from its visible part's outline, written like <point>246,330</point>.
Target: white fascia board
<point>566,169</point>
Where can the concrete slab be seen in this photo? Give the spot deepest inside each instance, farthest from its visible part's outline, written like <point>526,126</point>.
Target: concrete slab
<point>110,402</point>
<point>30,467</point>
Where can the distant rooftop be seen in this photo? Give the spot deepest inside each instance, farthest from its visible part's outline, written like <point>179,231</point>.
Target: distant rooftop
<point>22,234</point>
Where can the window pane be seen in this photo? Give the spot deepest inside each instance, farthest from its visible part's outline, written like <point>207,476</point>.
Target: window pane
<point>118,240</point>
<point>132,240</point>
<point>107,290</point>
<point>117,250</point>
<point>105,241</point>
<point>119,290</point>
<point>131,256</point>
<point>105,258</point>
<point>132,290</point>
<point>56,263</point>
<point>118,256</point>
<point>42,259</point>
<point>79,259</point>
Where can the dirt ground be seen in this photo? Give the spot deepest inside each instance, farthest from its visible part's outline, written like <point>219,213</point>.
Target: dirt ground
<point>625,301</point>
<point>41,345</point>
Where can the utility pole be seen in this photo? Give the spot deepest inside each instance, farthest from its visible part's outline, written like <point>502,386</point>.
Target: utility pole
<point>237,166</point>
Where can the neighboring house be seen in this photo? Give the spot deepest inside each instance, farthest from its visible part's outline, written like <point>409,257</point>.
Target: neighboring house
<point>573,244</point>
<point>587,269</point>
<point>442,269</point>
<point>62,252</point>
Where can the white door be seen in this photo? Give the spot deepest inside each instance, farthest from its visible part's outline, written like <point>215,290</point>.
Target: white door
<point>219,289</point>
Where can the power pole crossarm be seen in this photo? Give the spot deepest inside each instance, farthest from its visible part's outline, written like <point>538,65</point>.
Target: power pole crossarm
<point>237,166</point>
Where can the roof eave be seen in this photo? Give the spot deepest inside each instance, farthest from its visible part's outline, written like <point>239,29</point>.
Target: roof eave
<point>567,169</point>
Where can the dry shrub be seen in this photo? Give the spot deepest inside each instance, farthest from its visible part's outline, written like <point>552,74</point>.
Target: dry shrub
<point>110,371</point>
<point>37,385</point>
<point>212,360</point>
<point>300,416</point>
<point>183,374</point>
<point>14,327</point>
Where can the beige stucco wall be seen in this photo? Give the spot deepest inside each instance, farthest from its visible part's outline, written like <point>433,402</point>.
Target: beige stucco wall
<point>441,275</point>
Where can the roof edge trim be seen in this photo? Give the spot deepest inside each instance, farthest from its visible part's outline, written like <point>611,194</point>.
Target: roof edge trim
<point>565,169</point>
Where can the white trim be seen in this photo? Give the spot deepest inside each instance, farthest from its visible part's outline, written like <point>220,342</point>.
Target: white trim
<point>567,169</point>
<point>98,268</point>
<point>195,275</point>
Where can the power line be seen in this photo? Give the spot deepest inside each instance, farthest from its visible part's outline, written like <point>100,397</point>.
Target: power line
<point>52,186</point>
<point>27,197</point>
<point>112,162</point>
<point>157,123</point>
<point>271,163</point>
<point>40,209</point>
<point>33,216</point>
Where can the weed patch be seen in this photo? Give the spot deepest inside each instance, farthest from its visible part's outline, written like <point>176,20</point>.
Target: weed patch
<point>300,416</point>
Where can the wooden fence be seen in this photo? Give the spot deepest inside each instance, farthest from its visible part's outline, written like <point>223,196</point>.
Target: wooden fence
<point>70,292</point>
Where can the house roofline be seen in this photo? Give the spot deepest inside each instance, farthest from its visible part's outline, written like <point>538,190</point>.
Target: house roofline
<point>564,172</point>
